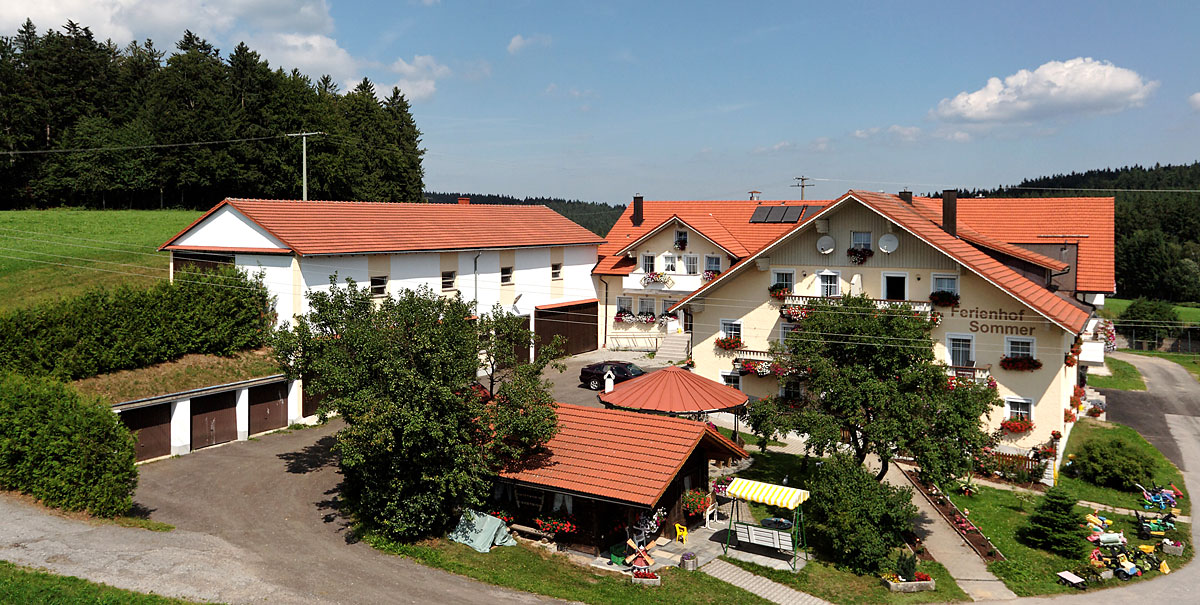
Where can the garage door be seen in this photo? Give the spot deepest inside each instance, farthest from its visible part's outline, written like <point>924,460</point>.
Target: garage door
<point>575,323</point>
<point>152,426</point>
<point>214,419</point>
<point>268,407</point>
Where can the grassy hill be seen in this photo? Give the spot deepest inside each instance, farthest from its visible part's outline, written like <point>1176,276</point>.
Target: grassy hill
<point>46,254</point>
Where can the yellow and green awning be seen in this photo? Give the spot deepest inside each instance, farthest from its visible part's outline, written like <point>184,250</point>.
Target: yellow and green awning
<point>766,493</point>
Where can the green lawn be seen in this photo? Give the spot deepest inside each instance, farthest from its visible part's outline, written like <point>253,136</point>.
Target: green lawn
<point>1113,308</point>
<point>838,586</point>
<point>100,247</point>
<point>1165,473</point>
<point>1029,571</point>
<point>22,585</point>
<point>748,437</point>
<point>1189,361</point>
<point>535,570</point>
<point>1124,377</point>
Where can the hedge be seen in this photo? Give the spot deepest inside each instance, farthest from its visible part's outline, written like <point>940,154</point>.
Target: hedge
<point>212,312</point>
<point>67,450</point>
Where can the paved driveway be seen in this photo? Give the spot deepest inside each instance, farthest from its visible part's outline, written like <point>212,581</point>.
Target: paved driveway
<point>567,388</point>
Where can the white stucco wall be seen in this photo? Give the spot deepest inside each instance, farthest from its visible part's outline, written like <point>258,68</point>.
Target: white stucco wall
<point>277,277</point>
<point>228,228</point>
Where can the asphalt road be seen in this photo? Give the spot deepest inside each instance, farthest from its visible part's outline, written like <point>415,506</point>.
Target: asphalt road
<point>566,386</point>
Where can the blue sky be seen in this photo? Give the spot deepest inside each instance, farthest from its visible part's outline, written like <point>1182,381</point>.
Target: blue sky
<point>698,100</point>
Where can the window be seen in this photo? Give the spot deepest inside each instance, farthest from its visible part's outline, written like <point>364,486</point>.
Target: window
<point>860,239</point>
<point>787,278</point>
<point>555,270</point>
<point>895,286</point>
<point>732,379</point>
<point>448,280</point>
<point>648,263</point>
<point>645,306</point>
<point>667,304</point>
<point>791,390</point>
<point>962,349</point>
<point>692,264</point>
<point>1018,409</point>
<point>945,283</point>
<point>830,283</point>
<point>712,263</point>
<point>506,276</point>
<point>379,285</point>
<point>681,239</point>
<point>784,330</point>
<point>731,328</point>
<point>1019,347</point>
<point>669,263</point>
<point>625,303</point>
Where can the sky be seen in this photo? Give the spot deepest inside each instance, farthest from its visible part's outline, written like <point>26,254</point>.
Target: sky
<point>600,101</point>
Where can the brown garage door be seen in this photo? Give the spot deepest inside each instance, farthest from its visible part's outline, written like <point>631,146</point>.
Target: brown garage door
<point>575,323</point>
<point>214,419</point>
<point>152,426</point>
<point>268,407</point>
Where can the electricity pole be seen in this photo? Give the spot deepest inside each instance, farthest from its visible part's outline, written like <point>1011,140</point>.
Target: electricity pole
<point>304,159</point>
<point>802,184</point>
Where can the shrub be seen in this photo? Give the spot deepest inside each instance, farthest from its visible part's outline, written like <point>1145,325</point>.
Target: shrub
<point>857,520</point>
<point>66,450</point>
<point>1105,462</point>
<point>1148,319</point>
<point>213,312</point>
<point>1053,526</point>
<point>906,566</point>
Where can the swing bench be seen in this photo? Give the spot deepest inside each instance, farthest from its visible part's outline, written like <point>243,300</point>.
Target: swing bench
<point>780,534</point>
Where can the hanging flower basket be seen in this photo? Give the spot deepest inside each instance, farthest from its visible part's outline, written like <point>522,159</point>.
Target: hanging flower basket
<point>720,484</point>
<point>944,298</point>
<point>859,256</point>
<point>1017,425</point>
<point>730,343</point>
<point>710,275</point>
<point>1020,363</point>
<point>780,291</point>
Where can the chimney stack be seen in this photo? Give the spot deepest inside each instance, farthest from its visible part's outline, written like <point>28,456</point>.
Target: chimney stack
<point>637,211</point>
<point>464,200</point>
<point>950,211</point>
<point>906,196</point>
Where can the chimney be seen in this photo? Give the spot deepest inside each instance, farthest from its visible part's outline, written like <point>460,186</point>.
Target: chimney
<point>906,196</point>
<point>464,200</point>
<point>637,211</point>
<point>950,211</point>
<point>754,194</point>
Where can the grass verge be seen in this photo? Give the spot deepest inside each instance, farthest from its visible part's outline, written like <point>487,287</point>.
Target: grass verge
<point>1113,307</point>
<point>67,252</point>
<point>1030,571</point>
<point>535,570</point>
<point>839,586</point>
<point>1124,377</point>
<point>22,585</point>
<point>187,372</point>
<point>1189,361</point>
<point>1165,473</point>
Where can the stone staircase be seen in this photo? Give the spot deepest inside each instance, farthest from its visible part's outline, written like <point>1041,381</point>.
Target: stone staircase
<point>676,346</point>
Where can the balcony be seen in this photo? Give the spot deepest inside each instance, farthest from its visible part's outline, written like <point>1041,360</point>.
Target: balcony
<point>676,282</point>
<point>919,306</point>
<point>753,355</point>
<point>979,374</point>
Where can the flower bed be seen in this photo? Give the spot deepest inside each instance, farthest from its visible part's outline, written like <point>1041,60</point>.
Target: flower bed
<point>978,542</point>
<point>1017,425</point>
<point>730,343</point>
<point>1020,363</point>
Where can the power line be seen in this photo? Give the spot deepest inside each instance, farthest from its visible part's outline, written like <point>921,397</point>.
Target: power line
<point>942,185</point>
<point>132,147</point>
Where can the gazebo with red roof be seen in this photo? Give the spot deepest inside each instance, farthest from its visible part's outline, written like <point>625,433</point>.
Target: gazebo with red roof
<point>674,391</point>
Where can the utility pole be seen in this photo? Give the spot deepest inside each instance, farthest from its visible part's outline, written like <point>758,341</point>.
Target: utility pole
<point>304,159</point>
<point>802,184</point>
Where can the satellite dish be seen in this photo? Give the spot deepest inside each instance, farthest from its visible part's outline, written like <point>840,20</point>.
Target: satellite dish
<point>888,243</point>
<point>825,244</point>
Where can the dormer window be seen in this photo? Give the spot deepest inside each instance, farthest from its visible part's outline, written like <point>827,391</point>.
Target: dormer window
<point>681,239</point>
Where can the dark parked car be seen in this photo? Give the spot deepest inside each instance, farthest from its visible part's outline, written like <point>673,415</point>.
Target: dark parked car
<point>593,375</point>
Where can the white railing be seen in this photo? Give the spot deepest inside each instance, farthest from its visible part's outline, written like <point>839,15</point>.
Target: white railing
<point>920,306</point>
<point>753,355</point>
<point>677,282</point>
<point>979,374</point>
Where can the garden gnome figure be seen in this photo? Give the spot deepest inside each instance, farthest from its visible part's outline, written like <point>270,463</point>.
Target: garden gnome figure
<point>609,377</point>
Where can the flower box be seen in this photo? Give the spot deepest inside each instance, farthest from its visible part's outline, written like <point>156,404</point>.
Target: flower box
<point>944,298</point>
<point>859,256</point>
<point>910,586</point>
<point>1017,425</point>
<point>780,291</point>
<point>710,275</point>
<point>729,343</point>
<point>655,581</point>
<point>1172,548</point>
<point>1020,363</point>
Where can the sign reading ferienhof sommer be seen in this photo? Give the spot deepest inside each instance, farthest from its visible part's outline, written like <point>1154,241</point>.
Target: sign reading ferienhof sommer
<point>978,316</point>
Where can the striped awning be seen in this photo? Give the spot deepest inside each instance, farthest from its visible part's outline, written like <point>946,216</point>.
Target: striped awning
<point>766,493</point>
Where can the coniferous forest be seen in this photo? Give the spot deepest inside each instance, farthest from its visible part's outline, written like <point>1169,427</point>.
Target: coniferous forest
<point>64,90</point>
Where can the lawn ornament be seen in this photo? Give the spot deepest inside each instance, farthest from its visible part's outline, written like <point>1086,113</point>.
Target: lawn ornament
<point>1096,523</point>
<point>1119,562</point>
<point>639,559</point>
<point>1109,539</point>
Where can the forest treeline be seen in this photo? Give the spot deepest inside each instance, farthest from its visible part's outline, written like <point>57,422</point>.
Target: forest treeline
<point>64,90</point>
<point>1158,232</point>
<point>594,216</point>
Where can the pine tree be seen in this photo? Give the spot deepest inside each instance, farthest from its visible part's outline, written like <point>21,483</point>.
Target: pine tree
<point>1054,526</point>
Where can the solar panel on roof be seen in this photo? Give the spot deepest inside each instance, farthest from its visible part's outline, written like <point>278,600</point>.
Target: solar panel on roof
<point>810,211</point>
<point>776,215</point>
<point>760,214</point>
<point>793,214</point>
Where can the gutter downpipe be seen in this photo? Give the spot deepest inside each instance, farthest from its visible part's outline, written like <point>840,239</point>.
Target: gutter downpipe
<point>605,345</point>
<point>475,270</point>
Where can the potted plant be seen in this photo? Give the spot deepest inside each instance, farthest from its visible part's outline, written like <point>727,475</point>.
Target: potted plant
<point>1095,411</point>
<point>666,317</point>
<point>944,298</point>
<point>730,343</point>
<point>859,256</point>
<point>1069,415</point>
<point>556,524</point>
<point>780,291</point>
<point>1056,435</point>
<point>503,515</point>
<point>1017,425</point>
<point>710,275</point>
<point>646,577</point>
<point>719,487</point>
<point>1020,363</point>
<point>688,561</point>
<point>793,312</point>
<point>695,502</point>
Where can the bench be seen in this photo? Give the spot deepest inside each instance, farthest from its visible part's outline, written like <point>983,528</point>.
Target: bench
<point>525,530</point>
<point>1069,579</point>
<point>773,538</point>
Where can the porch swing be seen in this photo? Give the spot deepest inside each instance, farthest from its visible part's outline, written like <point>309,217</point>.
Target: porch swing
<point>781,534</point>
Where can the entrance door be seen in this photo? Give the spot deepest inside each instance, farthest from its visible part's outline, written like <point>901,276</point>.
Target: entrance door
<point>895,287</point>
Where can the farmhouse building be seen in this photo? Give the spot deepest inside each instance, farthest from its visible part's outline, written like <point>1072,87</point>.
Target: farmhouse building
<point>529,259</point>
<point>1026,275</point>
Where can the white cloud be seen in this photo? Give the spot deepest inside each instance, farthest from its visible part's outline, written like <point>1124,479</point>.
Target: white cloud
<point>1194,101</point>
<point>520,42</point>
<point>419,78</point>
<point>956,136</point>
<point>312,54</point>
<point>1080,85</point>
<point>820,144</point>
<point>904,133</point>
<point>776,148</point>
<point>865,133</point>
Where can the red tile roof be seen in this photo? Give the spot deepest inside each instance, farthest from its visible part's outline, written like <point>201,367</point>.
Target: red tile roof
<point>361,227</point>
<point>673,390</point>
<point>725,222</point>
<point>1086,221</point>
<point>617,455</point>
<point>917,221</point>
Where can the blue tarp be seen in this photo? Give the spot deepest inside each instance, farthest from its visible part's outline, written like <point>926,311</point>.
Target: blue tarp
<point>480,531</point>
